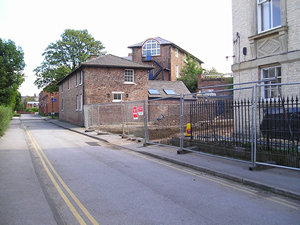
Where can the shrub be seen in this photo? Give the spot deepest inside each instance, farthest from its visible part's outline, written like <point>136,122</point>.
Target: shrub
<point>5,117</point>
<point>34,109</point>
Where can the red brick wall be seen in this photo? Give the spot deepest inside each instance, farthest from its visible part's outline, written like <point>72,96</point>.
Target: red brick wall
<point>45,103</point>
<point>204,82</point>
<point>99,85</point>
<point>164,60</point>
<point>101,82</point>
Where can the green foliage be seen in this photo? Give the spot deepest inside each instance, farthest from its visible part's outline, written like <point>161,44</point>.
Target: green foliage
<point>63,56</point>
<point>212,71</point>
<point>34,109</point>
<point>189,74</point>
<point>18,104</point>
<point>5,117</point>
<point>11,76</point>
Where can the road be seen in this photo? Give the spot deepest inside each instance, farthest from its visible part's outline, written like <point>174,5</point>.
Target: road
<point>50,175</point>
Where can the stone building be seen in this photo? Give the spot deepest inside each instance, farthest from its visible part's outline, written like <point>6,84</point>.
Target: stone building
<point>102,79</point>
<point>266,44</point>
<point>166,57</point>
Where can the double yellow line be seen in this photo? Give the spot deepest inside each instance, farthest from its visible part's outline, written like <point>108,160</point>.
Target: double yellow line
<point>48,168</point>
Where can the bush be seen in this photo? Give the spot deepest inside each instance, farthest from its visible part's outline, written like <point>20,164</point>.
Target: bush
<point>6,114</point>
<point>34,109</point>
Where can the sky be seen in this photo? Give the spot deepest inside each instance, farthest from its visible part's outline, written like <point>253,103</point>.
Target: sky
<point>201,27</point>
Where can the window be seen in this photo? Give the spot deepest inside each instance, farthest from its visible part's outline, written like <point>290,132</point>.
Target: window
<point>77,102</point>
<point>81,78</point>
<point>268,14</point>
<point>269,73</point>
<point>62,104</point>
<point>117,96</point>
<point>177,71</point>
<point>176,53</point>
<point>76,80</point>
<point>169,91</point>
<point>152,48</point>
<point>80,102</point>
<point>62,87</point>
<point>129,76</point>
<point>153,92</point>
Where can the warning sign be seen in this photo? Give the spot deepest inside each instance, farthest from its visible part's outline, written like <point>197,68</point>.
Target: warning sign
<point>135,112</point>
<point>140,111</point>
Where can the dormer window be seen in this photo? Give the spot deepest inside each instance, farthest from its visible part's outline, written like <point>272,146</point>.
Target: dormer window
<point>151,47</point>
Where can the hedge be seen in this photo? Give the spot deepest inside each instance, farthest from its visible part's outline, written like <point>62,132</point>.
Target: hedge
<point>5,117</point>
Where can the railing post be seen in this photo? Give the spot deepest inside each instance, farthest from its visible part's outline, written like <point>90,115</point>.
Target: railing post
<point>122,116</point>
<point>98,114</point>
<point>181,124</point>
<point>253,133</point>
<point>146,134</point>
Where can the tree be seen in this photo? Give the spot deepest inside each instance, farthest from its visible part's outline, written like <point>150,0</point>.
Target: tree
<point>63,56</point>
<point>189,74</point>
<point>212,71</point>
<point>18,105</point>
<point>11,76</point>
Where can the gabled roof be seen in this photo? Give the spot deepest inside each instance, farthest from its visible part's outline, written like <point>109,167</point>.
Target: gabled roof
<point>159,39</point>
<point>114,61</point>
<point>177,86</point>
<point>109,61</point>
<point>162,41</point>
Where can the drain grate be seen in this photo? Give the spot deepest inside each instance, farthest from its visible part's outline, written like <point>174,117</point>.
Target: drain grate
<point>92,143</point>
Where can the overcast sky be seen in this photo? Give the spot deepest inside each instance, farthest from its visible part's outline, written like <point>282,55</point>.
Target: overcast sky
<point>201,27</point>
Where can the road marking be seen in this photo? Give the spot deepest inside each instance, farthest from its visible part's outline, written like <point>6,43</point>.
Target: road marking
<point>215,180</point>
<point>42,156</point>
<point>221,182</point>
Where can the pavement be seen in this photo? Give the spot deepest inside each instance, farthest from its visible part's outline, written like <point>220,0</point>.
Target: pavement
<point>277,180</point>
<point>22,199</point>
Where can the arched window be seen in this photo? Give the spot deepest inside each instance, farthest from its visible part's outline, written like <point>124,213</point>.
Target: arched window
<point>151,47</point>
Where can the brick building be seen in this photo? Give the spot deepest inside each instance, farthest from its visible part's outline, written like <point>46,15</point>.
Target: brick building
<point>47,105</point>
<point>101,79</point>
<point>166,57</point>
<point>266,44</point>
<point>214,80</point>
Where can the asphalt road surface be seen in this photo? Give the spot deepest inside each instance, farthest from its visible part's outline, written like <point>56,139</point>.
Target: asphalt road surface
<point>61,177</point>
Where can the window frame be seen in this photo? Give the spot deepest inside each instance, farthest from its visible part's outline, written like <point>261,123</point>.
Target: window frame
<point>117,93</point>
<point>270,96</point>
<point>261,15</point>
<point>177,75</point>
<point>77,102</point>
<point>129,76</point>
<point>153,91</point>
<point>169,91</point>
<point>80,102</point>
<point>81,77</point>
<point>148,46</point>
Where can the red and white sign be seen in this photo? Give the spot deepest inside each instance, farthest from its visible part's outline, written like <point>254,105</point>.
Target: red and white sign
<point>140,111</point>
<point>135,112</point>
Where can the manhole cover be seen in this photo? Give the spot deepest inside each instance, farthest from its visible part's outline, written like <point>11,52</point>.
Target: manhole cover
<point>92,143</point>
